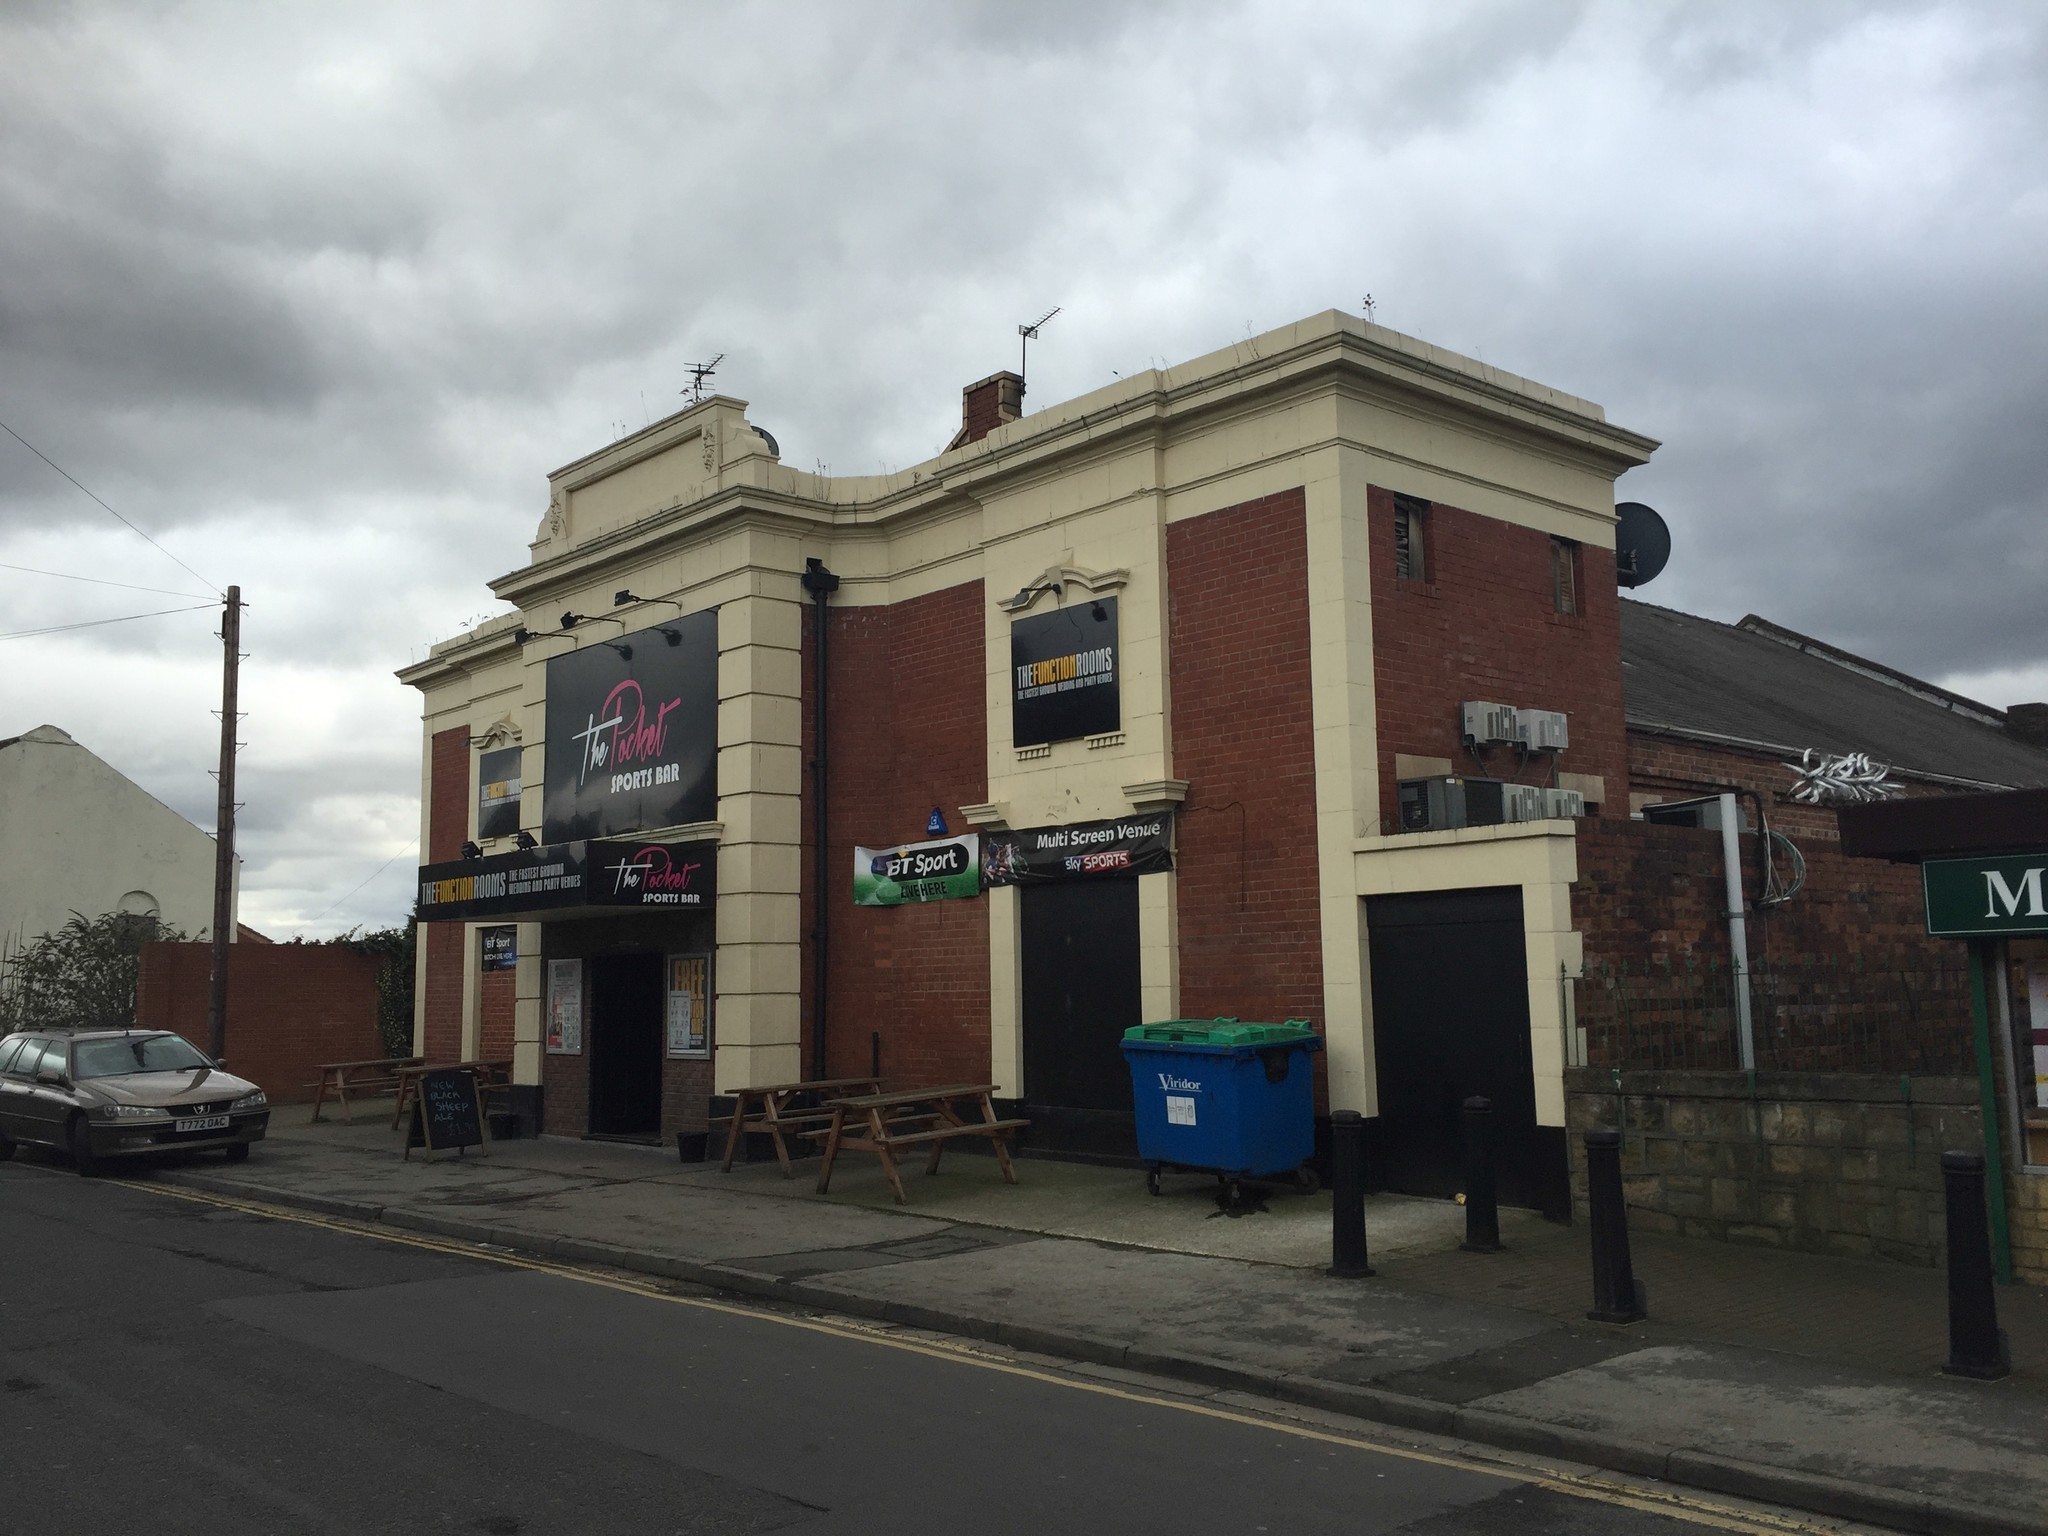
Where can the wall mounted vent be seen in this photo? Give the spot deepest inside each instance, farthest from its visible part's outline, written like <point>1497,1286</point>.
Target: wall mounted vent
<point>1432,805</point>
<point>1542,730</point>
<point>1524,802</point>
<point>1564,802</point>
<point>1485,723</point>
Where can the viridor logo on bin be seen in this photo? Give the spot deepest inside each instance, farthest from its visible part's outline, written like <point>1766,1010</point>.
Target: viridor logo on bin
<point>1178,1084</point>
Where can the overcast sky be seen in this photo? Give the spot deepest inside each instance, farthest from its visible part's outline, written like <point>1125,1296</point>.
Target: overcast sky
<point>317,296</point>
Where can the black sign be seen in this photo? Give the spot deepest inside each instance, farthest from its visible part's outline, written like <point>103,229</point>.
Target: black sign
<point>1137,845</point>
<point>497,793</point>
<point>633,732</point>
<point>567,877</point>
<point>1063,674</point>
<point>448,1113</point>
<point>499,948</point>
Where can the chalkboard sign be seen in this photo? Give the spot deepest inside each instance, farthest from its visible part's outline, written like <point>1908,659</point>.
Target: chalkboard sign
<point>449,1112</point>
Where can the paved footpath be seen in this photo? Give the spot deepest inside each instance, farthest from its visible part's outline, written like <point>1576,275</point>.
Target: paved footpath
<point>1804,1381</point>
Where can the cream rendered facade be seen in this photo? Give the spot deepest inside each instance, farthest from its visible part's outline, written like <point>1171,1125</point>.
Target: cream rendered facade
<point>77,835</point>
<point>697,511</point>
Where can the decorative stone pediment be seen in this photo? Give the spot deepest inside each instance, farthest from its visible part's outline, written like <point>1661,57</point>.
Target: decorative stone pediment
<point>500,733</point>
<point>1058,580</point>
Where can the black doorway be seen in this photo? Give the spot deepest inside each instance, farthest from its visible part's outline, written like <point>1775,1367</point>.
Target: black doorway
<point>1450,1007</point>
<point>1081,992</point>
<point>626,1000</point>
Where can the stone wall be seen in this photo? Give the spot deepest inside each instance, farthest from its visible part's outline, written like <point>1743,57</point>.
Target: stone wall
<point>1824,1162</point>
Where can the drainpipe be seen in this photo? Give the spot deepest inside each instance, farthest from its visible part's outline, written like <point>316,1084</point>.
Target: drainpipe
<point>819,582</point>
<point>1738,930</point>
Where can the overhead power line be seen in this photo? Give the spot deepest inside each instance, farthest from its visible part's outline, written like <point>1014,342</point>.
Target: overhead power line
<point>373,874</point>
<point>32,448</point>
<point>100,581</point>
<point>57,629</point>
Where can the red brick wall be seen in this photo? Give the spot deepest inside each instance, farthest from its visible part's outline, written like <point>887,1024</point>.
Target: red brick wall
<point>1243,738</point>
<point>291,1007</point>
<point>907,732</point>
<point>1484,626</point>
<point>447,831</point>
<point>497,1003</point>
<point>565,1092</point>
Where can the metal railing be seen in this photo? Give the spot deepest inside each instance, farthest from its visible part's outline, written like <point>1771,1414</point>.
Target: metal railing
<point>1812,1014</point>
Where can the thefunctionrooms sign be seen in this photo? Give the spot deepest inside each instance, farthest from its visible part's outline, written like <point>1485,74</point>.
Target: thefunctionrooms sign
<point>633,732</point>
<point>1136,845</point>
<point>935,871</point>
<point>1064,674</point>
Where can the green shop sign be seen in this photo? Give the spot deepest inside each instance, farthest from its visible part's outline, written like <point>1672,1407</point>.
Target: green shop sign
<point>1983,897</point>
<point>942,870</point>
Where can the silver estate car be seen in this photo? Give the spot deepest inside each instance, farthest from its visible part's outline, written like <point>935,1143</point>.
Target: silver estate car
<point>117,1093</point>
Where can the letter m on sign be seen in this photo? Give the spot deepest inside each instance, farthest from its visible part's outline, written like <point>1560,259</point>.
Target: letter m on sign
<point>2004,900</point>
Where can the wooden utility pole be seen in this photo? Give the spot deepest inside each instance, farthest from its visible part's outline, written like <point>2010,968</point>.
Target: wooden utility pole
<point>224,826</point>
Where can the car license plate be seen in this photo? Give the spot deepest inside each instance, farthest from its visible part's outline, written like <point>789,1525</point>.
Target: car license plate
<point>202,1123</point>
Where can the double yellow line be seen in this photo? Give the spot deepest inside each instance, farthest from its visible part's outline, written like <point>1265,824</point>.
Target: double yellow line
<point>1657,1501</point>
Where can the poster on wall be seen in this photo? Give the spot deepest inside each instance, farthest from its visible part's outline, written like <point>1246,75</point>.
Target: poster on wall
<point>497,793</point>
<point>2037,1019</point>
<point>498,947</point>
<point>632,732</point>
<point>565,1008</point>
<point>1064,674</point>
<point>942,870</point>
<point>689,1006</point>
<point>1134,845</point>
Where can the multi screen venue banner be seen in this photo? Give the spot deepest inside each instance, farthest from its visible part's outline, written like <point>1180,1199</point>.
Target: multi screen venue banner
<point>632,732</point>
<point>567,877</point>
<point>952,867</point>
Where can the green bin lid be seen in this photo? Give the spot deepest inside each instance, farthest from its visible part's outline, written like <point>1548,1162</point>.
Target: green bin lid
<point>1220,1032</point>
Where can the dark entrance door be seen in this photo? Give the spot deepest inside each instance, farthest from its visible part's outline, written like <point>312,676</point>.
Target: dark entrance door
<point>1081,992</point>
<point>1450,1009</point>
<point>626,1000</point>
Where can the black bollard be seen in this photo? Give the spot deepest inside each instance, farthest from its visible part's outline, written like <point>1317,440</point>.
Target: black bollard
<point>1976,1344</point>
<point>1482,1207</point>
<point>1347,1196</point>
<point>1615,1299</point>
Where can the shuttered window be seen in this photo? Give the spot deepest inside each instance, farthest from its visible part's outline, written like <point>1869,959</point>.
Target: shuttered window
<point>1410,526</point>
<point>1564,575</point>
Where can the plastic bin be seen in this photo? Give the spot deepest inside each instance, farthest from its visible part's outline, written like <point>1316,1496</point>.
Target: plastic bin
<point>1222,1096</point>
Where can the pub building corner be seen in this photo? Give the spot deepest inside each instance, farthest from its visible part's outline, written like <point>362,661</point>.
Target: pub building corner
<point>1099,717</point>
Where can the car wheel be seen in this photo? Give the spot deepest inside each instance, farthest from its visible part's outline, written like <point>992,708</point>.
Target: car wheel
<point>80,1138</point>
<point>239,1152</point>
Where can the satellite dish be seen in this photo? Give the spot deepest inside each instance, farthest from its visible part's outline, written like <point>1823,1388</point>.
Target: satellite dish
<point>1642,544</point>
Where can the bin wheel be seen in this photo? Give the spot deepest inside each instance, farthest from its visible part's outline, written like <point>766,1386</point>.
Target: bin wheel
<point>1235,1191</point>
<point>1151,1181</point>
<point>1306,1181</point>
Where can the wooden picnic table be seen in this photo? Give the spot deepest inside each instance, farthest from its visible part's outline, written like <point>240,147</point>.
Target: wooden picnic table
<point>774,1109</point>
<point>915,1117</point>
<point>364,1078</point>
<point>489,1075</point>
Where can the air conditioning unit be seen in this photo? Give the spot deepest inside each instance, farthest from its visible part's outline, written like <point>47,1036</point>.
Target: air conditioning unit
<point>1564,802</point>
<point>1431,805</point>
<point>1704,813</point>
<point>1524,802</point>
<point>1488,722</point>
<point>1542,730</point>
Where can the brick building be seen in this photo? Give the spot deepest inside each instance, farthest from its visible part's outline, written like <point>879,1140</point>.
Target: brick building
<point>1157,658</point>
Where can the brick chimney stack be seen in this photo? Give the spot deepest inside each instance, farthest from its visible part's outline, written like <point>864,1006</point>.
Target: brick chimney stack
<point>2028,723</point>
<point>987,405</point>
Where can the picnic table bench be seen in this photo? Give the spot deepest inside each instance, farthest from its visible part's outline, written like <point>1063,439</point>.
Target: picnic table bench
<point>915,1117</point>
<point>363,1078</point>
<point>775,1110</point>
<point>491,1077</point>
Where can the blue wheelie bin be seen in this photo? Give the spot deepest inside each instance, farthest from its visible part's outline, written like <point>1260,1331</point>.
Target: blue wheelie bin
<point>1223,1097</point>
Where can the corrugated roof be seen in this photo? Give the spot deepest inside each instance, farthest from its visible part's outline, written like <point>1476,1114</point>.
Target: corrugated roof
<point>1689,674</point>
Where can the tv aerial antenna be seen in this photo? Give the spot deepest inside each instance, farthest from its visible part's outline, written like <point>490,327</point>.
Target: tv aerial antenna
<point>700,374</point>
<point>1028,334</point>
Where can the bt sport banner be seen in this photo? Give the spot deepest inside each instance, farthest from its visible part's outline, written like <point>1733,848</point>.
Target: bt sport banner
<point>1064,674</point>
<point>632,732</point>
<point>942,870</point>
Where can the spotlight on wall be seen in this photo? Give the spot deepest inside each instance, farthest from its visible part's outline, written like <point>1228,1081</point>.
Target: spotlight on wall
<point>521,635</point>
<point>471,851</point>
<point>1098,613</point>
<point>571,620</point>
<point>624,596</point>
<point>524,841</point>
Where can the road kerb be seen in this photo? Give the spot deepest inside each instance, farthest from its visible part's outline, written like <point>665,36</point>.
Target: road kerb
<point>1793,1487</point>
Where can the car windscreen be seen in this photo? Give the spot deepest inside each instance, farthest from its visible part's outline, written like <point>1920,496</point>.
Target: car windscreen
<point>143,1053</point>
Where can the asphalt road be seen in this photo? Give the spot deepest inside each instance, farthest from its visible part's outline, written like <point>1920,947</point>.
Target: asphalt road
<point>179,1366</point>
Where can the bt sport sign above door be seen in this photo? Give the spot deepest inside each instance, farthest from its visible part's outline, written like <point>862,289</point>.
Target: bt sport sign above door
<point>632,732</point>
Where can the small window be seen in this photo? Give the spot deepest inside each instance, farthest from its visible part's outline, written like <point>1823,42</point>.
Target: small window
<point>1564,575</point>
<point>1411,519</point>
<point>9,1049</point>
